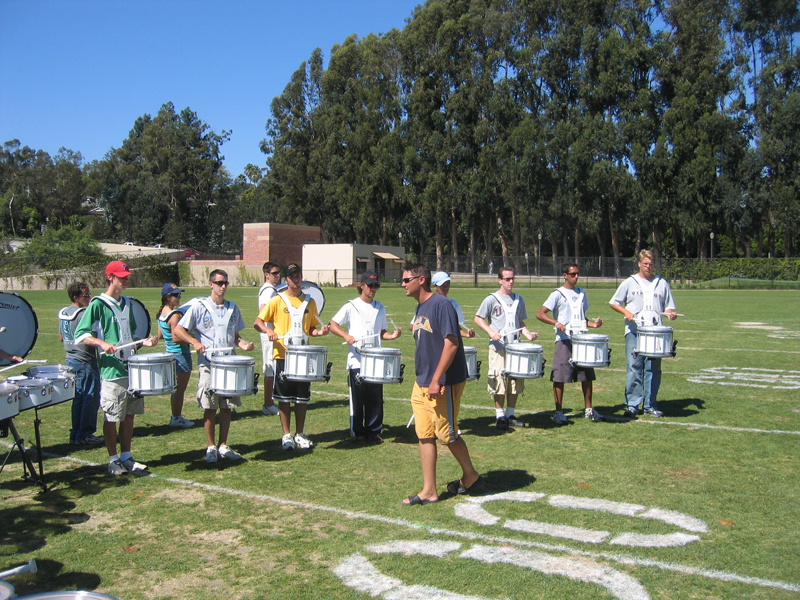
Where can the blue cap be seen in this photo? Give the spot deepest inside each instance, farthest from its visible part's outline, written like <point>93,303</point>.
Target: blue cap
<point>170,288</point>
<point>439,278</point>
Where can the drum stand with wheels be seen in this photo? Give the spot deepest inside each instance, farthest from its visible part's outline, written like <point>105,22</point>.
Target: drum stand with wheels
<point>27,465</point>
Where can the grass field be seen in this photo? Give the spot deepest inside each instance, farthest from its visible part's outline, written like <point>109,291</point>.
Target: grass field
<point>700,504</point>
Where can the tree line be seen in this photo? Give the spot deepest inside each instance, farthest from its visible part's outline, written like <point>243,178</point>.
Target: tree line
<point>483,128</point>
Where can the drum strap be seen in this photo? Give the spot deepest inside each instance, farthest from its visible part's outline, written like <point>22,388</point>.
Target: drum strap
<point>368,316</point>
<point>123,319</point>
<point>220,323</point>
<point>511,317</point>
<point>298,337</point>
<point>648,315</point>
<point>577,319</point>
<point>68,324</point>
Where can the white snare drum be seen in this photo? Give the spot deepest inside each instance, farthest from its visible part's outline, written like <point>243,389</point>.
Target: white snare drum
<point>33,393</point>
<point>381,365</point>
<point>590,350</point>
<point>63,386</point>
<point>233,375</point>
<point>7,590</point>
<point>68,595</point>
<point>524,361</point>
<point>473,364</point>
<point>39,370</point>
<point>9,400</point>
<point>306,363</point>
<point>152,374</point>
<point>654,342</point>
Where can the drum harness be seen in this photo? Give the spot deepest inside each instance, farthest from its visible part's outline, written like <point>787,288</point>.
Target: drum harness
<point>220,327</point>
<point>297,336</point>
<point>67,319</point>
<point>511,317</point>
<point>123,319</point>
<point>648,315</point>
<point>577,320</point>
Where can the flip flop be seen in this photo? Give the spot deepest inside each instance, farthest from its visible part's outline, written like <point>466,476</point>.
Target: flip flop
<point>415,500</point>
<point>479,483</point>
<point>456,487</point>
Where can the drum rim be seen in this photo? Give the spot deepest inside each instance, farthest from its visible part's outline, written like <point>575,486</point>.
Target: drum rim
<point>534,348</point>
<point>306,349</point>
<point>381,350</point>
<point>153,357</point>
<point>3,361</point>
<point>589,337</point>
<point>233,359</point>
<point>146,312</point>
<point>654,328</point>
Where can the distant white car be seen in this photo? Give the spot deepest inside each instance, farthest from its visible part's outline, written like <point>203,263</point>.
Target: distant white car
<point>158,246</point>
<point>128,244</point>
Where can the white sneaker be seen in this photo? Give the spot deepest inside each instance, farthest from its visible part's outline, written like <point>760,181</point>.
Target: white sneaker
<point>115,468</point>
<point>591,413</point>
<point>287,443</point>
<point>269,410</point>
<point>302,442</point>
<point>211,454</point>
<point>559,418</point>
<point>225,451</point>
<point>132,466</point>
<point>181,422</point>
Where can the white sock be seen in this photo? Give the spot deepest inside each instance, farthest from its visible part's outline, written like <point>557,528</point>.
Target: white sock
<point>509,412</point>
<point>123,456</point>
<point>498,412</point>
<point>113,458</point>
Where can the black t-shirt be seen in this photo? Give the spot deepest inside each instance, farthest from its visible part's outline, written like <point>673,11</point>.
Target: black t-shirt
<point>435,320</point>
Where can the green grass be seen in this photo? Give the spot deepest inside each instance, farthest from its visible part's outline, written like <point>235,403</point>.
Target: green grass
<point>277,524</point>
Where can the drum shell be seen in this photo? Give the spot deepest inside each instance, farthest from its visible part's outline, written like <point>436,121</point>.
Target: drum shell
<point>9,402</point>
<point>381,365</point>
<point>654,342</point>
<point>63,386</point>
<point>39,370</point>
<point>524,361</point>
<point>33,393</point>
<point>152,374</point>
<point>590,350</point>
<point>306,363</point>
<point>232,375</point>
<point>473,366</point>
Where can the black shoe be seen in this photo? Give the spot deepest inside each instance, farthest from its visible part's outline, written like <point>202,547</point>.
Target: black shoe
<point>630,412</point>
<point>515,423</point>
<point>502,423</point>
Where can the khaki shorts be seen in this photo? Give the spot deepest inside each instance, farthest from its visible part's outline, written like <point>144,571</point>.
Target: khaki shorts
<point>437,417</point>
<point>214,401</point>
<point>116,402</point>
<point>497,384</point>
<point>267,362</point>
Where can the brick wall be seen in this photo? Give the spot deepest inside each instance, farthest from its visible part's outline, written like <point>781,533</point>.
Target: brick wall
<point>277,242</point>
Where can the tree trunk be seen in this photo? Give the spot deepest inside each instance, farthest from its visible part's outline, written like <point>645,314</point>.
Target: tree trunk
<point>577,243</point>
<point>638,242</point>
<point>657,245</point>
<point>488,239</point>
<point>601,244</point>
<point>554,249</point>
<point>516,238</point>
<point>502,236</point>
<point>439,246</point>
<point>454,239</point>
<point>614,243</point>
<point>472,251</point>
<point>565,244</point>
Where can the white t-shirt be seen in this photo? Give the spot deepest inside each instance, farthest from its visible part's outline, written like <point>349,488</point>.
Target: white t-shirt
<point>361,318</point>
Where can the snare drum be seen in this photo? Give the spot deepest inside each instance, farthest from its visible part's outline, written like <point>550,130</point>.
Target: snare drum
<point>473,364</point>
<point>233,375</point>
<point>9,400</point>
<point>68,595</point>
<point>152,374</point>
<point>590,350</point>
<point>7,590</point>
<point>39,370</point>
<point>524,361</point>
<point>306,363</point>
<point>381,365</point>
<point>33,393</point>
<point>654,342</point>
<point>63,386</point>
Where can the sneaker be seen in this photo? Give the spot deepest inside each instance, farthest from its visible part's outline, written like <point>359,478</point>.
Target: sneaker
<point>302,442</point>
<point>287,443</point>
<point>559,418</point>
<point>90,440</point>
<point>653,412</point>
<point>132,466</point>
<point>592,414</point>
<point>269,410</point>
<point>631,412</point>
<point>181,422</point>
<point>211,454</point>
<point>502,423</point>
<point>225,451</point>
<point>515,423</point>
<point>375,439</point>
<point>115,468</point>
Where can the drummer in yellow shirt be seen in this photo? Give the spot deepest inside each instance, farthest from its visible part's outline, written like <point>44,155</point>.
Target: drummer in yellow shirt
<point>291,317</point>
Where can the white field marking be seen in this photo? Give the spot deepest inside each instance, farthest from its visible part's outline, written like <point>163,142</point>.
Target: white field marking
<point>620,585</point>
<point>408,548</point>
<point>476,514</point>
<point>619,558</point>
<point>358,573</point>
<point>588,536</point>
<point>785,335</point>
<point>779,379</point>
<point>763,326</point>
<point>578,534</point>
<point>607,417</point>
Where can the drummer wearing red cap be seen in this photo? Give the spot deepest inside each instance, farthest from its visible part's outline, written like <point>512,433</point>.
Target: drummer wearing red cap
<point>108,322</point>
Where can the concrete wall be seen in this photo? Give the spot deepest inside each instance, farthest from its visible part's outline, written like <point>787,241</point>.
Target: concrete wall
<point>337,263</point>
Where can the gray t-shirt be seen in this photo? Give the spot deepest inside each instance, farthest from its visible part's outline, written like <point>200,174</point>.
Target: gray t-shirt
<point>199,319</point>
<point>629,294</point>
<point>557,303</point>
<point>494,314</point>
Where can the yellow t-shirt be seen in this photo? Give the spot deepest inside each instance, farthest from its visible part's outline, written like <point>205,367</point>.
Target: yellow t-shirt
<point>276,312</point>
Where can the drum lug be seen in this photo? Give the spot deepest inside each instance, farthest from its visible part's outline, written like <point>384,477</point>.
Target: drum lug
<point>674,347</point>
<point>402,372</point>
<point>328,371</point>
<point>478,375</point>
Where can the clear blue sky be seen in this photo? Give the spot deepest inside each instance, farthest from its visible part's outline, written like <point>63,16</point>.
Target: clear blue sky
<point>77,73</point>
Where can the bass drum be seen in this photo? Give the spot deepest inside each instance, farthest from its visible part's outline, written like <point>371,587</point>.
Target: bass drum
<point>310,288</point>
<point>142,318</point>
<point>19,324</point>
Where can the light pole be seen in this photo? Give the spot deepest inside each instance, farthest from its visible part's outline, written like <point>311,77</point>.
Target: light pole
<point>539,257</point>
<point>712,245</point>
<point>223,238</point>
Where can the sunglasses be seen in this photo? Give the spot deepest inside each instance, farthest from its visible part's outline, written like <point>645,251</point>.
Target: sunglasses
<point>408,280</point>
<point>275,273</point>
<point>374,286</point>
<point>175,295</point>
<point>85,296</point>
<point>573,274</point>
<point>220,283</point>
<point>507,278</point>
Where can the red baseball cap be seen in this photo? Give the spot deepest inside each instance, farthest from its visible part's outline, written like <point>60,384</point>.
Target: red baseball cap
<point>117,268</point>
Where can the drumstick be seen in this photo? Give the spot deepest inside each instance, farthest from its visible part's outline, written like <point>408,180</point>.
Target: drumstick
<point>465,328</point>
<point>362,339</point>
<point>129,344</point>
<point>410,421</point>
<point>2,329</point>
<point>19,364</point>
<point>676,314</point>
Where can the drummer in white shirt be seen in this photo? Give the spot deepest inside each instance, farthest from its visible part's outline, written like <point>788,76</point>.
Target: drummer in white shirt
<point>441,282</point>
<point>569,305</point>
<point>365,319</point>
<point>642,299</point>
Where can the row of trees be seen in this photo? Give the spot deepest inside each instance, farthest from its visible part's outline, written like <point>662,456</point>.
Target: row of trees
<point>585,127</point>
<point>603,125</point>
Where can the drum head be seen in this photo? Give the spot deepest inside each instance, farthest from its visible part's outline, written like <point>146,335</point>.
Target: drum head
<point>142,318</point>
<point>69,596</point>
<point>6,590</point>
<point>310,288</point>
<point>152,357</point>
<point>21,327</point>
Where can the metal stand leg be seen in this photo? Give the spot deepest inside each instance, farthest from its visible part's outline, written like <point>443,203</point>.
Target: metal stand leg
<point>27,465</point>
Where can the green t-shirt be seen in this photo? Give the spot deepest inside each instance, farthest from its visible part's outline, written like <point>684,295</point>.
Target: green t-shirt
<point>106,329</point>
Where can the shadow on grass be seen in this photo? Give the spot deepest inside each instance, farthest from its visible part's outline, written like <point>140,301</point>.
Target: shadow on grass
<point>502,480</point>
<point>680,407</point>
<point>51,577</point>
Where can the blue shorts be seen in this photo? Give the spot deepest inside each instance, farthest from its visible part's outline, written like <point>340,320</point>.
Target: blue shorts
<point>183,362</point>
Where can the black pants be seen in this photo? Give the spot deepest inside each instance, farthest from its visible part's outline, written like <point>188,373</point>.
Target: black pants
<point>366,406</point>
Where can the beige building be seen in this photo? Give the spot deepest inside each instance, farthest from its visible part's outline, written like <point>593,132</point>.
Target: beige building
<point>343,264</point>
